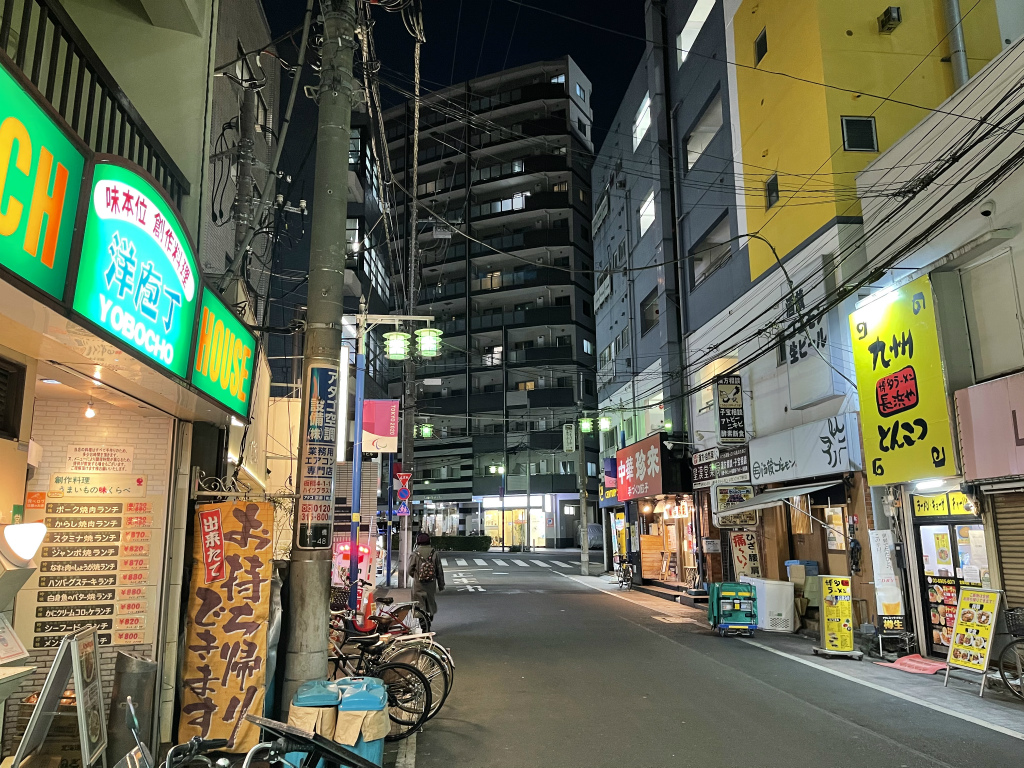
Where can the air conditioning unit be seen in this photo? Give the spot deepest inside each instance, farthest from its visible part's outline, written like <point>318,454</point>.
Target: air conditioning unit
<point>889,20</point>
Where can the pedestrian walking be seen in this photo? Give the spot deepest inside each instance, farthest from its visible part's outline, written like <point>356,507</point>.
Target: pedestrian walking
<point>427,574</point>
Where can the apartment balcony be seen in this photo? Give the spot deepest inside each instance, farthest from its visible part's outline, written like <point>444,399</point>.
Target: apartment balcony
<point>525,318</point>
<point>552,397</point>
<point>443,405</point>
<point>520,278</point>
<point>533,202</point>
<point>541,354</point>
<point>54,55</point>
<point>442,292</point>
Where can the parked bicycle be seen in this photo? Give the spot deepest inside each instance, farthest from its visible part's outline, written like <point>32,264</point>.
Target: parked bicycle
<point>623,572</point>
<point>1011,660</point>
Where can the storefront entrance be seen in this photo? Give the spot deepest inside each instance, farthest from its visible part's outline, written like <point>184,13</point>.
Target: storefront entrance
<point>951,555</point>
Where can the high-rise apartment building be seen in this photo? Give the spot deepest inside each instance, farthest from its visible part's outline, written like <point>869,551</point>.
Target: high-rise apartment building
<point>506,268</point>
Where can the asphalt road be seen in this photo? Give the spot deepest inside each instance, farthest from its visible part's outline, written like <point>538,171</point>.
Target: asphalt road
<point>551,672</point>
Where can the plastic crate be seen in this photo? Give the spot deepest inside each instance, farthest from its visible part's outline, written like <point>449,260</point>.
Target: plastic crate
<point>1015,621</point>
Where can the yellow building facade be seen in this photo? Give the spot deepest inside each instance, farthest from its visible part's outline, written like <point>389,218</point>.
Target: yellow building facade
<point>804,65</point>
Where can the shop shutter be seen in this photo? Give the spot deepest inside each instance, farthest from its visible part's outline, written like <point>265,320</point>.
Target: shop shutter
<point>1009,514</point>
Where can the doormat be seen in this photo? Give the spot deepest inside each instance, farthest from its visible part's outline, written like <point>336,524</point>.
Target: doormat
<point>915,664</point>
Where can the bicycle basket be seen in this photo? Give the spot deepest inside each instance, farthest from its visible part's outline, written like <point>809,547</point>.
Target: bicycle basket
<point>1015,621</point>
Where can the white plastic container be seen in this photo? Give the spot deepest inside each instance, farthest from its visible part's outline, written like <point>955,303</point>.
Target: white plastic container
<point>776,609</point>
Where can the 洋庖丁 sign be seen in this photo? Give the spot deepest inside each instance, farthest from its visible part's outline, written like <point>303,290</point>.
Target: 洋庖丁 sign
<point>40,183</point>
<point>907,430</point>
<point>137,275</point>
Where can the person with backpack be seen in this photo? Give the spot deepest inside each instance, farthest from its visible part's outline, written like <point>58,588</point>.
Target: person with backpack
<point>427,574</point>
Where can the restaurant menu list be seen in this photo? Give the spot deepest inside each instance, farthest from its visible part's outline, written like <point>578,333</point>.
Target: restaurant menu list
<point>975,619</point>
<point>98,566</point>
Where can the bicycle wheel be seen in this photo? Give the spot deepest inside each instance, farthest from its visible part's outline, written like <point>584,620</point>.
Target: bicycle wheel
<point>409,697</point>
<point>1011,667</point>
<point>430,663</point>
<point>420,617</point>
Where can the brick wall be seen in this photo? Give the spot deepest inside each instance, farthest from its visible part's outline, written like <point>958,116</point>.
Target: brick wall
<point>55,426</point>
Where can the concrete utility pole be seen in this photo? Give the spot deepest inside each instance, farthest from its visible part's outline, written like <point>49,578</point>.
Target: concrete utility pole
<point>310,574</point>
<point>581,473</point>
<point>246,159</point>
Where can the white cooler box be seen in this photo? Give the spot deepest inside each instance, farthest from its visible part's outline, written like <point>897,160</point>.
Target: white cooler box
<point>776,611</point>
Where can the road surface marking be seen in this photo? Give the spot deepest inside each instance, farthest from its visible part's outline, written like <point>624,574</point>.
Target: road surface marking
<point>520,563</point>
<point>560,564</point>
<point>444,563</point>
<point>674,619</point>
<point>502,563</point>
<point>478,561</point>
<point>896,694</point>
<point>541,563</point>
<point>874,686</point>
<point>460,562</point>
<point>471,588</point>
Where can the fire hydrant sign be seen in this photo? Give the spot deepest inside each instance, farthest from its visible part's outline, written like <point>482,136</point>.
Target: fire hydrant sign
<point>316,464</point>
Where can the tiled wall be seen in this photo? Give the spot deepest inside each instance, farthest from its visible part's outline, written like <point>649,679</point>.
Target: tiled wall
<point>55,426</point>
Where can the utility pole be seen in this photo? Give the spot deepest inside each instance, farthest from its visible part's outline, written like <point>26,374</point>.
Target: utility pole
<point>246,159</point>
<point>310,572</point>
<point>581,473</point>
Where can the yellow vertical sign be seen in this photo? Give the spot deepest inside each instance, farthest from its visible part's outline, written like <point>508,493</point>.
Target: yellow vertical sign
<point>907,431</point>
<point>837,614</point>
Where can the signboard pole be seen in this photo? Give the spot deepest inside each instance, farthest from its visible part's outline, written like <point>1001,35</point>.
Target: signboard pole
<point>357,462</point>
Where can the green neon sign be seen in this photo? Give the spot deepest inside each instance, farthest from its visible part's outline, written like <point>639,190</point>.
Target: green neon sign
<point>137,277</point>
<point>40,183</point>
<point>225,355</point>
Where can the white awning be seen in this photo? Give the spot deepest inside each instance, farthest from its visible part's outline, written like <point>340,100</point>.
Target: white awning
<point>774,497</point>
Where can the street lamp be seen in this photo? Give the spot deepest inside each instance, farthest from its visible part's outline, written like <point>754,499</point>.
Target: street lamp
<point>396,348</point>
<point>604,423</point>
<point>426,430</point>
<point>428,342</point>
<point>586,426</point>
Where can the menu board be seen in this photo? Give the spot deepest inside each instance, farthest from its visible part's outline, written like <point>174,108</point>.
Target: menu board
<point>942,600</point>
<point>974,620</point>
<point>837,614</point>
<point>98,566</point>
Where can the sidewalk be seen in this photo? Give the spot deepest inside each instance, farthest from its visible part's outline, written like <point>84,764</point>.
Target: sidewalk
<point>998,710</point>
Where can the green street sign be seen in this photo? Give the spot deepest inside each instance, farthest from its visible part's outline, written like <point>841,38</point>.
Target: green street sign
<point>40,183</point>
<point>225,355</point>
<point>137,277</point>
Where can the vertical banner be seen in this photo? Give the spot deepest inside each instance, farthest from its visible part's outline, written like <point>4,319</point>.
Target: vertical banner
<point>746,559</point>
<point>316,463</point>
<point>888,593</point>
<point>836,614</point>
<point>729,406</point>
<point>224,669</point>
<point>380,426</point>
<point>908,434</point>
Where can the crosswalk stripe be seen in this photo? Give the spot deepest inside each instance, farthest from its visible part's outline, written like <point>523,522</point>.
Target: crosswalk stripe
<point>502,563</point>
<point>460,562</point>
<point>520,562</point>
<point>444,563</point>
<point>541,563</point>
<point>560,564</point>
<point>478,561</point>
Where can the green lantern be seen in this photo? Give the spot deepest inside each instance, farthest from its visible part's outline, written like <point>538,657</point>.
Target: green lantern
<point>396,345</point>
<point>428,342</point>
<point>604,423</point>
<point>426,430</point>
<point>586,426</point>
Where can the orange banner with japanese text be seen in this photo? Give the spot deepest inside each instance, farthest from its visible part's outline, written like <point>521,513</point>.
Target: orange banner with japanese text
<point>224,668</point>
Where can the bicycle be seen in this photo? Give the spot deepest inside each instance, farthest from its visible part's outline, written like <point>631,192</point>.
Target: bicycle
<point>1011,660</point>
<point>409,690</point>
<point>418,650</point>
<point>624,573</point>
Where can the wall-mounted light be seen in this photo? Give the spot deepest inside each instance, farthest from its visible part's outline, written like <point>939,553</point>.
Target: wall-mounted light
<point>926,485</point>
<point>90,412</point>
<point>20,542</point>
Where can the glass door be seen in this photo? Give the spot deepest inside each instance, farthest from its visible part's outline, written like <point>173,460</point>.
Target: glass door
<point>951,556</point>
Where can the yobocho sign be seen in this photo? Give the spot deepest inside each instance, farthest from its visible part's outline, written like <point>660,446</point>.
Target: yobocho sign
<point>137,278</point>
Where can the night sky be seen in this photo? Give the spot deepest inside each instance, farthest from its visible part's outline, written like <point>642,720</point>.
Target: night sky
<point>490,38</point>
